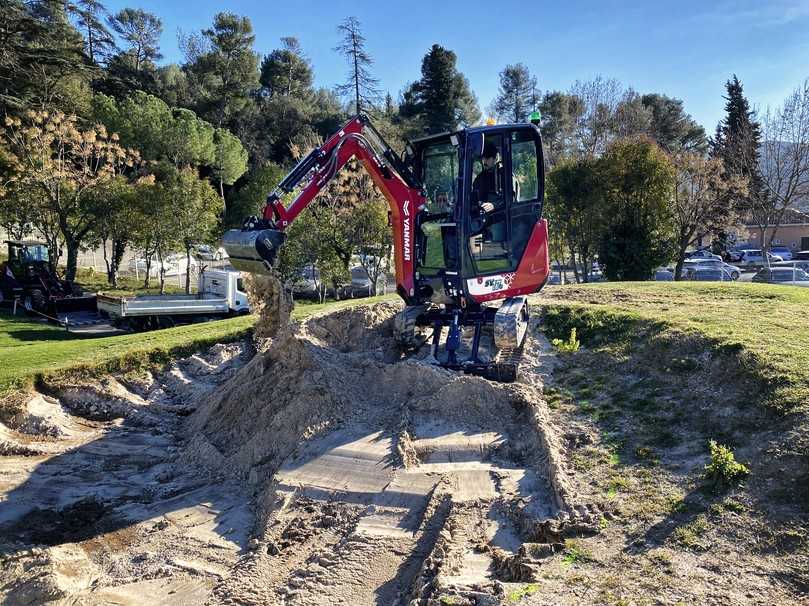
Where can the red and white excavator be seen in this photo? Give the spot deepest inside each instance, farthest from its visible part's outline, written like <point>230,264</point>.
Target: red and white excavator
<point>469,239</point>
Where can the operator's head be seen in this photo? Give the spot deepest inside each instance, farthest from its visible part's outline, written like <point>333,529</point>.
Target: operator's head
<point>489,155</point>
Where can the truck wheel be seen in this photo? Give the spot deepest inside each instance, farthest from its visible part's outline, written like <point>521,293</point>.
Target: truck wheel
<point>165,322</point>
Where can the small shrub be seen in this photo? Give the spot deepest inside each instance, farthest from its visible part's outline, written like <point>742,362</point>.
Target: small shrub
<point>723,469</point>
<point>571,345</point>
<point>518,594</point>
<point>575,553</point>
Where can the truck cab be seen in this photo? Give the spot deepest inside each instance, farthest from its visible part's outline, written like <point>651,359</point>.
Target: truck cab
<point>227,285</point>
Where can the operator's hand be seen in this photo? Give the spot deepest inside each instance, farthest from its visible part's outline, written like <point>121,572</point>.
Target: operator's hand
<point>487,207</point>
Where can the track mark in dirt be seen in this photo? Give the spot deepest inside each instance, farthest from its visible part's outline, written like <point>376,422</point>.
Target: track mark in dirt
<point>383,482</point>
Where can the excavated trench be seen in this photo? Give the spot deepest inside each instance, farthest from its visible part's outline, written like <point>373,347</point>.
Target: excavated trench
<point>321,470</point>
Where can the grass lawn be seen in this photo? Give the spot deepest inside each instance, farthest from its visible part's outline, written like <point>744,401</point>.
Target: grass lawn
<point>768,322</point>
<point>96,281</point>
<point>29,350</point>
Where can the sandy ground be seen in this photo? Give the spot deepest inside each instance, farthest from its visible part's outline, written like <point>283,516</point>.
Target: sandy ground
<point>318,467</point>
<point>321,470</point>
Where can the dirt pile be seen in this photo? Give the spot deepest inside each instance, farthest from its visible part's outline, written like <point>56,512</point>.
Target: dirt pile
<point>382,480</point>
<point>270,301</point>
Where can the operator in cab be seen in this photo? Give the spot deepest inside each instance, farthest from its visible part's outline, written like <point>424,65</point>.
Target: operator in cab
<point>487,187</point>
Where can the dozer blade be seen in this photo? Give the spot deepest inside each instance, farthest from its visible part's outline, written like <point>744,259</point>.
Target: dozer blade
<point>63,305</point>
<point>253,251</point>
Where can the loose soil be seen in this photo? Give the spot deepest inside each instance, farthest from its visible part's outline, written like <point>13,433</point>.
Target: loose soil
<point>320,467</point>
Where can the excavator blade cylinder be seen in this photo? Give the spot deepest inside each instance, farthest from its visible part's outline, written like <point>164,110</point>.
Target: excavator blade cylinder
<point>253,251</point>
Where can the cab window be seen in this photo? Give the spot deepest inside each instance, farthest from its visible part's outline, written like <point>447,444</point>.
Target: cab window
<point>440,176</point>
<point>439,163</point>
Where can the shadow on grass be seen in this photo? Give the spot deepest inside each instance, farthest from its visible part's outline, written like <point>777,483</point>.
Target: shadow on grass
<point>656,397</point>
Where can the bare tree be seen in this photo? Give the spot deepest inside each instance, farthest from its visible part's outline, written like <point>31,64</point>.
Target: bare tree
<point>700,200</point>
<point>360,84</point>
<point>784,158</point>
<point>595,126</point>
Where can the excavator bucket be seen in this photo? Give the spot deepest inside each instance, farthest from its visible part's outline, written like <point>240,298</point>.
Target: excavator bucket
<point>253,251</point>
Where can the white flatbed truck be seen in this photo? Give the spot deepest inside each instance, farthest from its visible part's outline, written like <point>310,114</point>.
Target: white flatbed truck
<point>220,293</point>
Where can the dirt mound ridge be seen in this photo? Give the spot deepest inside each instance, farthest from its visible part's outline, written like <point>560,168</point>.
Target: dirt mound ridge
<point>363,464</point>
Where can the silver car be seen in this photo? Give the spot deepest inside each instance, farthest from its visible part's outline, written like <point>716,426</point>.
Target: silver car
<point>783,275</point>
<point>754,256</point>
<point>734,271</point>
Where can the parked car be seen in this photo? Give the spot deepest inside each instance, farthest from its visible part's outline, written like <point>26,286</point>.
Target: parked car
<point>305,284</point>
<point>734,255</point>
<point>664,274</point>
<point>754,256</point>
<point>733,270</point>
<point>361,283</point>
<point>801,255</point>
<point>556,278</point>
<point>782,275</point>
<point>702,253</point>
<point>173,265</point>
<point>782,251</point>
<point>209,253</point>
<point>703,273</point>
<point>800,264</point>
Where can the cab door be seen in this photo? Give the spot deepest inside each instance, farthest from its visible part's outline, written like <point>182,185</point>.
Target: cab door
<point>504,201</point>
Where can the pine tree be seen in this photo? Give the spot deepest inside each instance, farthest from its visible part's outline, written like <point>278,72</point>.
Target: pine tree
<point>99,43</point>
<point>442,98</point>
<point>518,95</point>
<point>226,75</point>
<point>141,31</point>
<point>737,142</point>
<point>286,71</point>
<point>360,85</point>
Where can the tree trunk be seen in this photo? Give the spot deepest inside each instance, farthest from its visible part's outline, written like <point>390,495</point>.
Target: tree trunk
<point>682,245</point>
<point>148,258</point>
<point>188,269</point>
<point>118,250</point>
<point>72,259</point>
<point>162,273</point>
<point>573,262</point>
<point>107,261</point>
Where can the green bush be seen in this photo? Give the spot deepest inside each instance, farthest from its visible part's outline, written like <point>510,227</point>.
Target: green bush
<point>571,345</point>
<point>723,469</point>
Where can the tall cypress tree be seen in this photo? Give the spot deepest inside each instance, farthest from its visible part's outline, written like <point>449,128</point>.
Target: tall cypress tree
<point>737,142</point>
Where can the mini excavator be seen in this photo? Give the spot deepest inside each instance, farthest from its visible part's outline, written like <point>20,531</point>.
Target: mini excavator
<point>469,239</point>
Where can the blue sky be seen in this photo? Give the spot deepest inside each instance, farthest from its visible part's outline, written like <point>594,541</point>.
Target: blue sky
<point>685,49</point>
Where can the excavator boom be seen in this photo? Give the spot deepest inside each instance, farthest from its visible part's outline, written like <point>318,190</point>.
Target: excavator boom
<point>255,247</point>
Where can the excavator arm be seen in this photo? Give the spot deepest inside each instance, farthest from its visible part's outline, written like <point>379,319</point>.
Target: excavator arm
<point>254,248</point>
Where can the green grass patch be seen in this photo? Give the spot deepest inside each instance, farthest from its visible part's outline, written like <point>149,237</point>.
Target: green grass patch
<point>761,325</point>
<point>96,281</point>
<point>575,553</point>
<point>515,595</point>
<point>30,351</point>
<point>691,536</point>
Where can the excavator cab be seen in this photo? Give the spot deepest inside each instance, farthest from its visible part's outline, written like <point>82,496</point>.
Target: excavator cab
<point>484,189</point>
